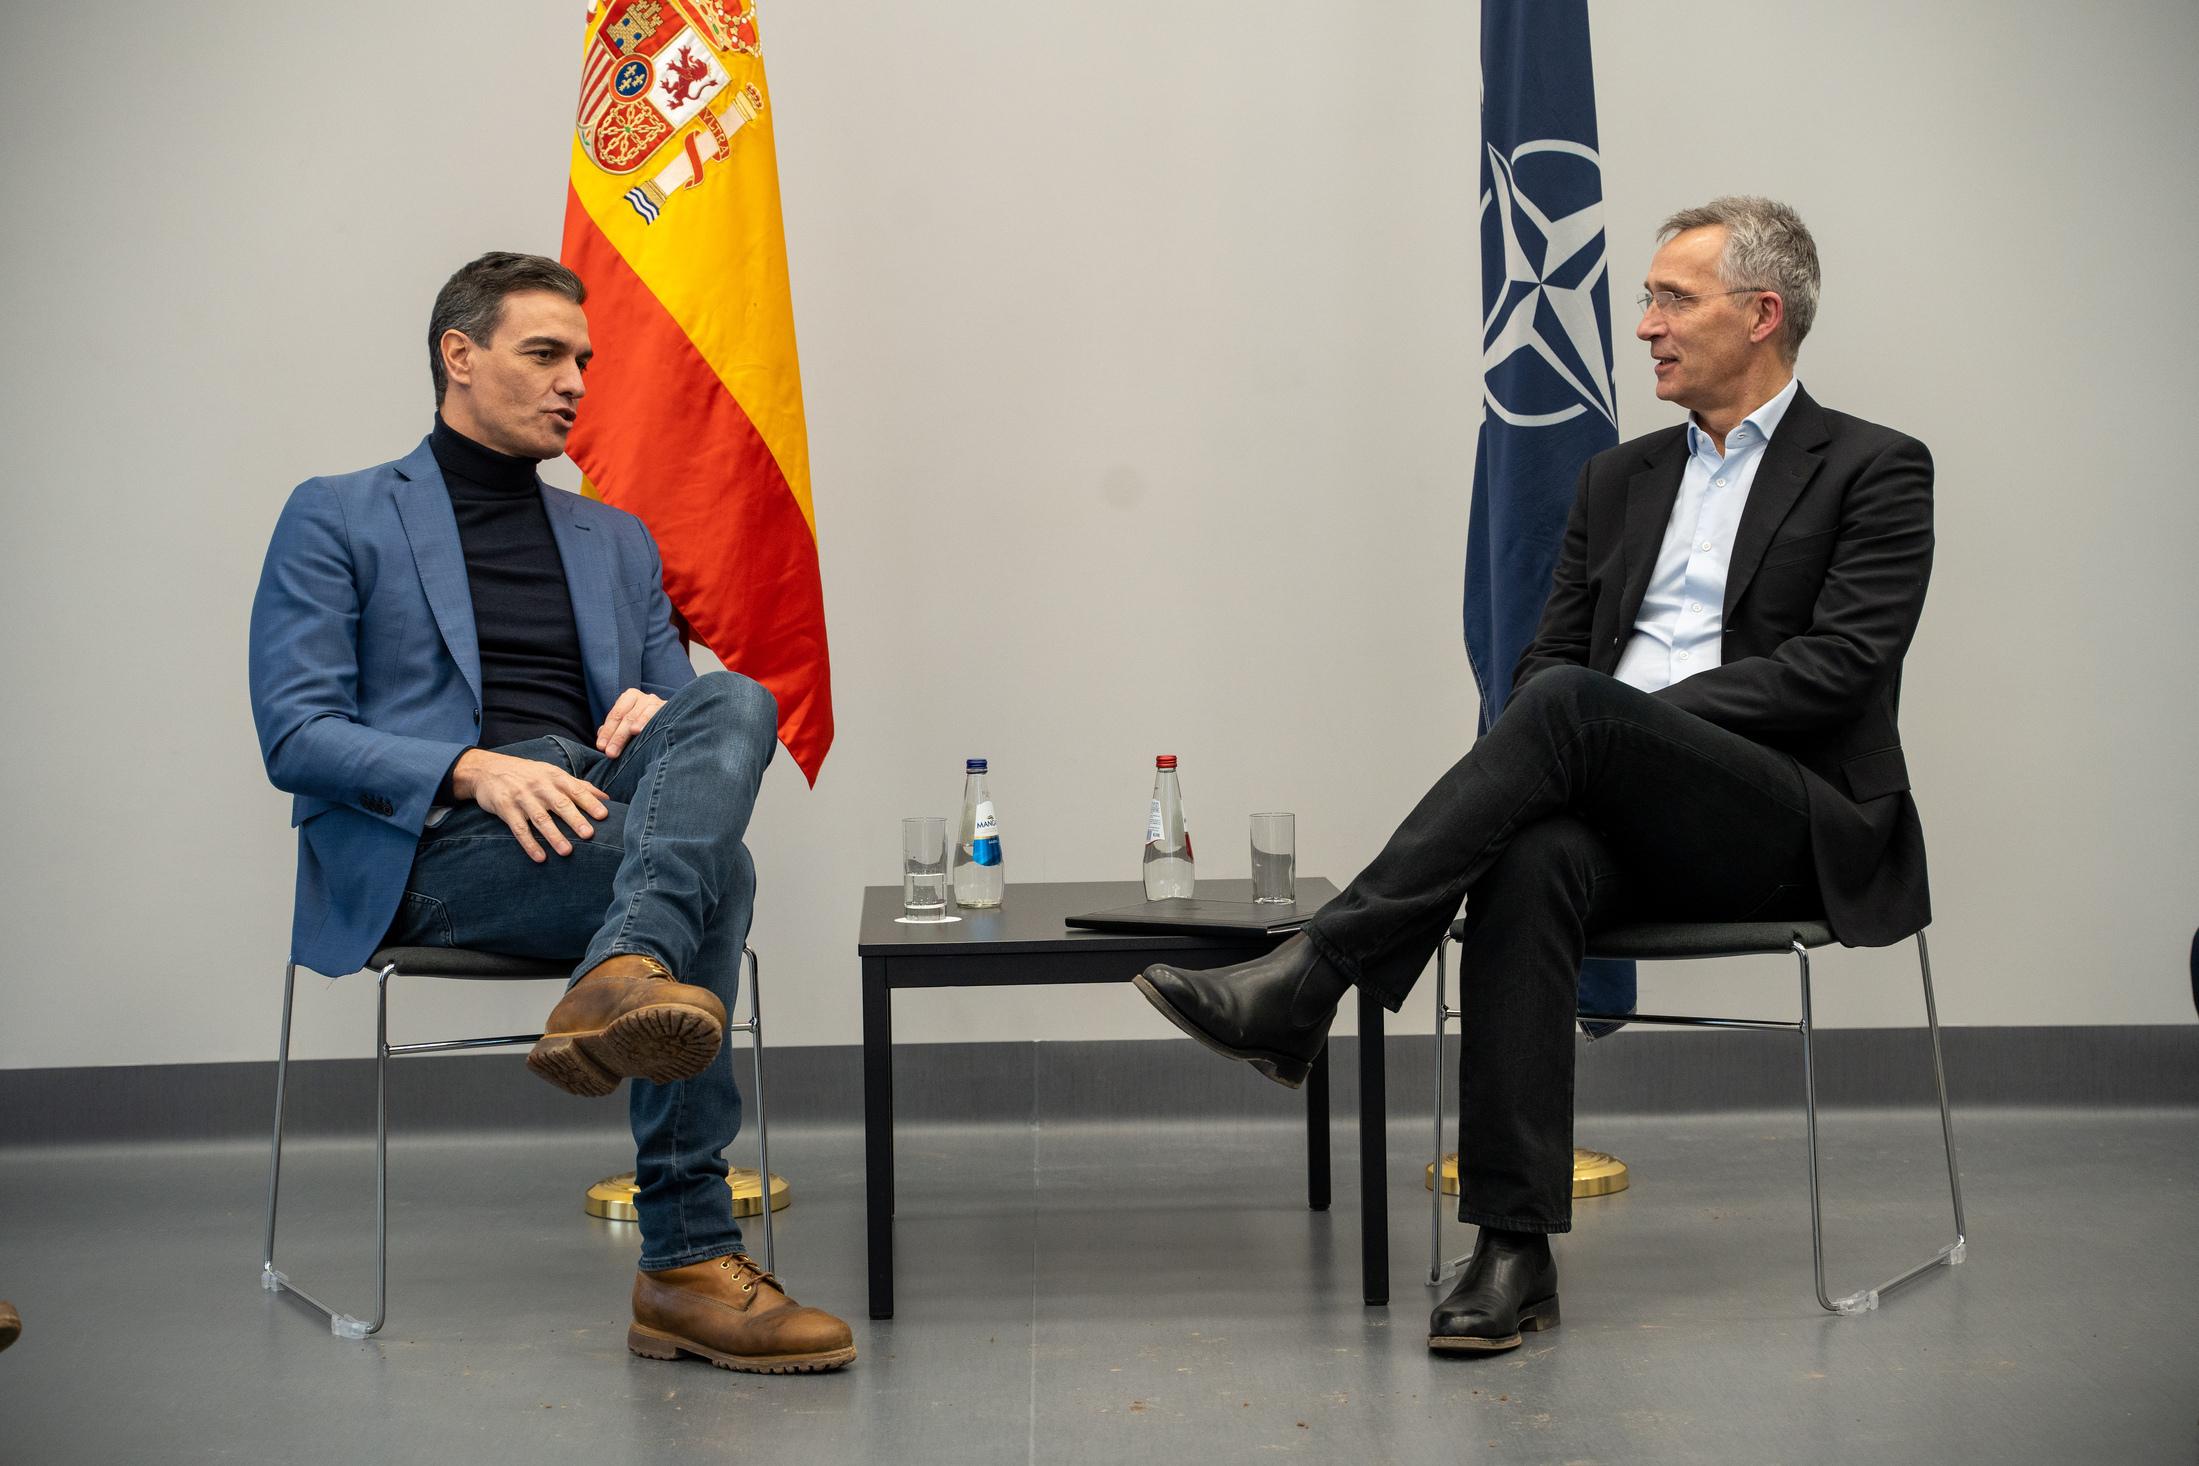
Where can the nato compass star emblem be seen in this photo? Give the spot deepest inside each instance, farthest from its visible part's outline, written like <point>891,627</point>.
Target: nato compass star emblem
<point>1553,262</point>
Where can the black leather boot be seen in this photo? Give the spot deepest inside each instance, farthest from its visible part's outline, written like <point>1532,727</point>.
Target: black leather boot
<point>1510,1288</point>
<point>1273,1012</point>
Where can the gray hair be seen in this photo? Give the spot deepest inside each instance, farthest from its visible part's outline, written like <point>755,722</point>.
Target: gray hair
<point>1768,247</point>
<point>472,301</point>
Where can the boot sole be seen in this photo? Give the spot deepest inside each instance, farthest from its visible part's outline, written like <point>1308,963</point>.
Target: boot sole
<point>663,1043</point>
<point>652,1343</point>
<point>1283,1069</point>
<point>559,1060</point>
<point>1533,1319</point>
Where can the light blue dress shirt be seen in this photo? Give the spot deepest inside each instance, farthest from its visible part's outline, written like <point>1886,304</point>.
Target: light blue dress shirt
<point>1681,626</point>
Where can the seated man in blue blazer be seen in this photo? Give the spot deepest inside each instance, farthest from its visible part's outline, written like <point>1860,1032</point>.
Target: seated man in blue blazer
<point>471,683</point>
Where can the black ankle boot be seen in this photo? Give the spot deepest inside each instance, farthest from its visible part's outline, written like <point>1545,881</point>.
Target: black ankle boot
<point>1510,1288</point>
<point>1273,1012</point>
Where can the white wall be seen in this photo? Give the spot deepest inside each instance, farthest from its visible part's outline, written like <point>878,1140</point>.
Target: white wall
<point>1137,343</point>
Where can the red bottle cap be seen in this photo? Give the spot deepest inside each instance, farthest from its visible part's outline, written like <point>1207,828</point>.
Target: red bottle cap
<point>1165,761</point>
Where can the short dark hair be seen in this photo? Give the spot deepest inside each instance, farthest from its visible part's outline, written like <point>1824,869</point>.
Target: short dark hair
<point>472,301</point>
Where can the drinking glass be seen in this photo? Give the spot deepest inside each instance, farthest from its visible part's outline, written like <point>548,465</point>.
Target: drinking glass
<point>1275,858</point>
<point>924,867</point>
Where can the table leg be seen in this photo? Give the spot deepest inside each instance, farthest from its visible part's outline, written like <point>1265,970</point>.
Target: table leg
<point>1374,1196</point>
<point>878,1131</point>
<point>1317,1132</point>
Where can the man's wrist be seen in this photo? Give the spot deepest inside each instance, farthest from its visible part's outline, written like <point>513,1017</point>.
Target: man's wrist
<point>460,778</point>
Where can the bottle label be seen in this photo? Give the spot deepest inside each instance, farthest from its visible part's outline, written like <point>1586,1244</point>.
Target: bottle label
<point>985,840</point>
<point>1156,829</point>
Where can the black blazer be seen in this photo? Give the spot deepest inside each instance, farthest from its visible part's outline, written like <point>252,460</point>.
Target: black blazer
<point>1823,593</point>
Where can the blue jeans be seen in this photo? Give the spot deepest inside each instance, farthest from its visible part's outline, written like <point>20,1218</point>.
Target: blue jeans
<point>664,876</point>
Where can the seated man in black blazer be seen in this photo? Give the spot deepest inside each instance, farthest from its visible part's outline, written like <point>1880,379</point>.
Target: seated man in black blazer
<point>1702,729</point>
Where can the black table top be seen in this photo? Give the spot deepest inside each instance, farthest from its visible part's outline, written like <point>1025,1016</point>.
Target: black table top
<point>1031,920</point>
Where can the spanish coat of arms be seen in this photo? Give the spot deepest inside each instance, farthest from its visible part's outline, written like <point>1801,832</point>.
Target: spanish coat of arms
<point>653,68</point>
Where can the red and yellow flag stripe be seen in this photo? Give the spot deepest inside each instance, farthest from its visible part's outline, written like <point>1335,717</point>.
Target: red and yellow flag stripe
<point>693,419</point>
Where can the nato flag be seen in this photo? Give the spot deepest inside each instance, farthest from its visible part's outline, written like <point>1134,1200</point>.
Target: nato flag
<point>1547,398</point>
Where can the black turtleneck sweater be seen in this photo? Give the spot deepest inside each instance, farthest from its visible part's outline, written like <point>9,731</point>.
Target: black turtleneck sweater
<point>532,681</point>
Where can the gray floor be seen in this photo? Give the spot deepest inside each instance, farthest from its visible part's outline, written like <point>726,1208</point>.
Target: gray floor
<point>1078,1292</point>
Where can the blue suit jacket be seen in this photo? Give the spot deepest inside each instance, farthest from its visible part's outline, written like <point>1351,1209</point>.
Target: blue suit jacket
<point>366,674</point>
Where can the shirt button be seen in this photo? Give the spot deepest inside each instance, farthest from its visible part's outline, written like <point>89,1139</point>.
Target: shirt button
<point>1695,605</point>
<point>1721,483</point>
<point>1683,656</point>
<point>1705,545</point>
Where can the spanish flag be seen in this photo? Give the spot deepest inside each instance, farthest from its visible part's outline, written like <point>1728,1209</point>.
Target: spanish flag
<point>694,412</point>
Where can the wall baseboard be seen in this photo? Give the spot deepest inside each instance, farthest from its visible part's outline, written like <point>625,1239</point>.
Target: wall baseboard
<point>1136,1080</point>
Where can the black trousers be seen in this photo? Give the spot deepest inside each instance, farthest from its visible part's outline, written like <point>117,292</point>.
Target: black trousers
<point>1588,804</point>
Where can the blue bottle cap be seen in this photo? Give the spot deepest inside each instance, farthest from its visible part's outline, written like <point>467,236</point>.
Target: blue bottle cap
<point>973,766</point>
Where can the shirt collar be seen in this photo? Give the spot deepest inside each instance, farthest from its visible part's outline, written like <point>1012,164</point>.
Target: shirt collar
<point>478,464</point>
<point>1766,420</point>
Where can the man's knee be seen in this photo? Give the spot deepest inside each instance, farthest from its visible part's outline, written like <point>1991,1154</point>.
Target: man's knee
<point>731,701</point>
<point>1570,693</point>
<point>1567,685</point>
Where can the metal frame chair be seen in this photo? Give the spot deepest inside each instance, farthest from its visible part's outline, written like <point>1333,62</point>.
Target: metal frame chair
<point>465,965</point>
<point>1673,941</point>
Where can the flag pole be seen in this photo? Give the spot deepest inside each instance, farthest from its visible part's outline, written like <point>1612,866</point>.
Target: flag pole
<point>1549,399</point>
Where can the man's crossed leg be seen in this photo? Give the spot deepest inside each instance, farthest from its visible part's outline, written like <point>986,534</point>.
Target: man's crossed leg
<point>655,888</point>
<point>1588,803</point>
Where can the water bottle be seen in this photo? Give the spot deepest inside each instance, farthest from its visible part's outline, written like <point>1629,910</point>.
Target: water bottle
<point>1168,868</point>
<point>980,880</point>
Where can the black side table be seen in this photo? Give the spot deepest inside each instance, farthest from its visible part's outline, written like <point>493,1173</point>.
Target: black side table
<point>1024,943</point>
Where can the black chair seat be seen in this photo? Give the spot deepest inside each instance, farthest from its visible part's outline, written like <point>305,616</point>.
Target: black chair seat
<point>1668,941</point>
<point>465,962</point>
<point>1665,941</point>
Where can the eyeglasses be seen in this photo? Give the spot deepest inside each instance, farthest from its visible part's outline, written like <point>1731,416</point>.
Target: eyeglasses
<point>1665,300</point>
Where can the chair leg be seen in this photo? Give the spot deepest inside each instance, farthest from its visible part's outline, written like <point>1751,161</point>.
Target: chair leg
<point>1961,1248</point>
<point>273,1279</point>
<point>343,1324</point>
<point>755,1026</point>
<point>1809,1107</point>
<point>1435,1156</point>
<point>270,1279</point>
<point>1438,1268</point>
<point>1954,1252</point>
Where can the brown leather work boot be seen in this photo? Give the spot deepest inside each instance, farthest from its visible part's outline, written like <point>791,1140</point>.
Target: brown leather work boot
<point>731,1312</point>
<point>11,1324</point>
<point>628,1017</point>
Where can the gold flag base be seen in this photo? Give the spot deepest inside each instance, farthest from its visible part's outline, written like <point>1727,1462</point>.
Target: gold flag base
<point>612,1198</point>
<point>1594,1174</point>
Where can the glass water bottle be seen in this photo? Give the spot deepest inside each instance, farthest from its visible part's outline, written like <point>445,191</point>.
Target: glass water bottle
<point>980,880</point>
<point>1168,865</point>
